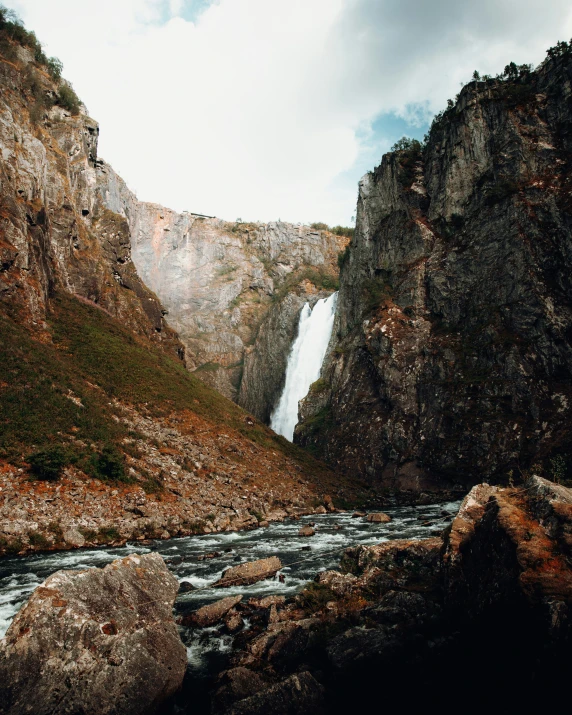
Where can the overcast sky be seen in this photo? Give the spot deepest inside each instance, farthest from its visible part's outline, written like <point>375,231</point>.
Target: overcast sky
<point>267,109</point>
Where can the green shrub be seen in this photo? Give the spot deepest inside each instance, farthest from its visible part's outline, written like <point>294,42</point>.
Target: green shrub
<point>348,231</point>
<point>47,464</point>
<point>319,226</point>
<point>68,99</point>
<point>107,534</point>
<point>39,540</point>
<point>55,68</point>
<point>108,465</point>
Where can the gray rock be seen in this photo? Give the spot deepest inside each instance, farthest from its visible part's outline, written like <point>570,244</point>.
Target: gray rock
<point>452,337</point>
<point>250,572</point>
<point>213,612</point>
<point>99,640</point>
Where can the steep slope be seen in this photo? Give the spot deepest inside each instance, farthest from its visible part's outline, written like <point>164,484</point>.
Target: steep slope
<point>96,403</point>
<point>451,357</point>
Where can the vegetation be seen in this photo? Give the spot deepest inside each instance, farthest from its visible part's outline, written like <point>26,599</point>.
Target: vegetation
<point>348,231</point>
<point>47,464</point>
<point>319,277</point>
<point>410,154</point>
<point>13,33</point>
<point>315,596</point>
<point>343,257</point>
<point>68,99</point>
<point>95,359</point>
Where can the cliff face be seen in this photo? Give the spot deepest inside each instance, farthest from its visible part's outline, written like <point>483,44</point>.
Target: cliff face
<point>451,354</point>
<point>220,281</point>
<point>55,233</point>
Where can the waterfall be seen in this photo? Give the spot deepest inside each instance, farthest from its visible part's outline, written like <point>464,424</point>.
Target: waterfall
<point>304,362</point>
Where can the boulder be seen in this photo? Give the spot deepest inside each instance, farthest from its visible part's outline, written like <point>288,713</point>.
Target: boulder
<point>358,514</point>
<point>186,587</point>
<point>320,510</point>
<point>378,518</point>
<point>95,641</point>
<point>300,693</point>
<point>211,613</point>
<point>236,684</point>
<point>306,531</point>
<point>250,572</point>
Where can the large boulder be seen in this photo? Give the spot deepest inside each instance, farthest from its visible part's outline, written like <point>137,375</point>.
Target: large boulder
<point>95,641</point>
<point>300,693</point>
<point>250,572</point>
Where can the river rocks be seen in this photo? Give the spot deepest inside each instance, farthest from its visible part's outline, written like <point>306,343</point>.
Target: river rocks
<point>447,319</point>
<point>212,613</point>
<point>497,588</point>
<point>250,572</point>
<point>300,693</point>
<point>186,587</point>
<point>306,531</point>
<point>98,640</point>
<point>378,518</point>
<point>233,621</point>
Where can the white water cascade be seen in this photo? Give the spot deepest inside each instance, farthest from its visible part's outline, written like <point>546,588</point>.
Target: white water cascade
<point>304,362</point>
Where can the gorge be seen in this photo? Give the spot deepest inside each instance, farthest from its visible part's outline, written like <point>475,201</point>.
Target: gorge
<point>261,391</point>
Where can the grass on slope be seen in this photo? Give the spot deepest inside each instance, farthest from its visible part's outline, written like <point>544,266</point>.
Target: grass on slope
<point>49,391</point>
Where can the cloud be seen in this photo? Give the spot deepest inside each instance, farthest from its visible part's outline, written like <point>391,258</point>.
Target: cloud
<point>263,108</point>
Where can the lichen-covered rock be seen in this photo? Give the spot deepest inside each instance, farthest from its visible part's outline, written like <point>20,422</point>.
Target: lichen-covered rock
<point>95,641</point>
<point>306,531</point>
<point>213,612</point>
<point>250,572</point>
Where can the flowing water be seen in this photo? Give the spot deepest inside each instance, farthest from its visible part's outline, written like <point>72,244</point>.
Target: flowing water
<point>302,557</point>
<point>304,362</point>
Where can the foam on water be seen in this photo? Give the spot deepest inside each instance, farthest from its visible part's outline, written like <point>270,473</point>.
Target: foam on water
<point>334,532</point>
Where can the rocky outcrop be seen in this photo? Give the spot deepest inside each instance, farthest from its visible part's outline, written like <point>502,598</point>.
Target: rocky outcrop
<point>98,641</point>
<point>494,592</point>
<point>451,353</point>
<point>213,612</point>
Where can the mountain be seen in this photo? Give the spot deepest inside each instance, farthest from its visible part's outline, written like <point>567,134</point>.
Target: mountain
<point>451,359</point>
<point>105,434</point>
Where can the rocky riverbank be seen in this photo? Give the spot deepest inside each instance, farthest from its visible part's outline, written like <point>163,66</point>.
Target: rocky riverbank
<point>486,603</point>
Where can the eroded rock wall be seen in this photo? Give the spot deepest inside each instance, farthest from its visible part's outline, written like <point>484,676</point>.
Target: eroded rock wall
<point>55,232</point>
<point>451,354</point>
<point>221,282</point>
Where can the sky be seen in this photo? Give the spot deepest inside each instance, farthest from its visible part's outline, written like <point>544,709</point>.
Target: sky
<point>273,109</point>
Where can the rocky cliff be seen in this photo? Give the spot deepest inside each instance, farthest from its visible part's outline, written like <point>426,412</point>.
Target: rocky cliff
<point>451,356</point>
<point>55,233</point>
<point>224,284</point>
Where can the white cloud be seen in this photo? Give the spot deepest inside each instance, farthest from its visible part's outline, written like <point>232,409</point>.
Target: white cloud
<point>257,106</point>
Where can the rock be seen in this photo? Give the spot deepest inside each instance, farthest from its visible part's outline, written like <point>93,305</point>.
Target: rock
<point>233,621</point>
<point>97,640</point>
<point>378,518</point>
<point>329,504</point>
<point>250,572</point>
<point>300,693</point>
<point>358,514</point>
<point>72,537</point>
<point>320,510</point>
<point>236,684</point>
<point>186,587</point>
<point>306,531</point>
<point>263,523</point>
<point>211,613</point>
